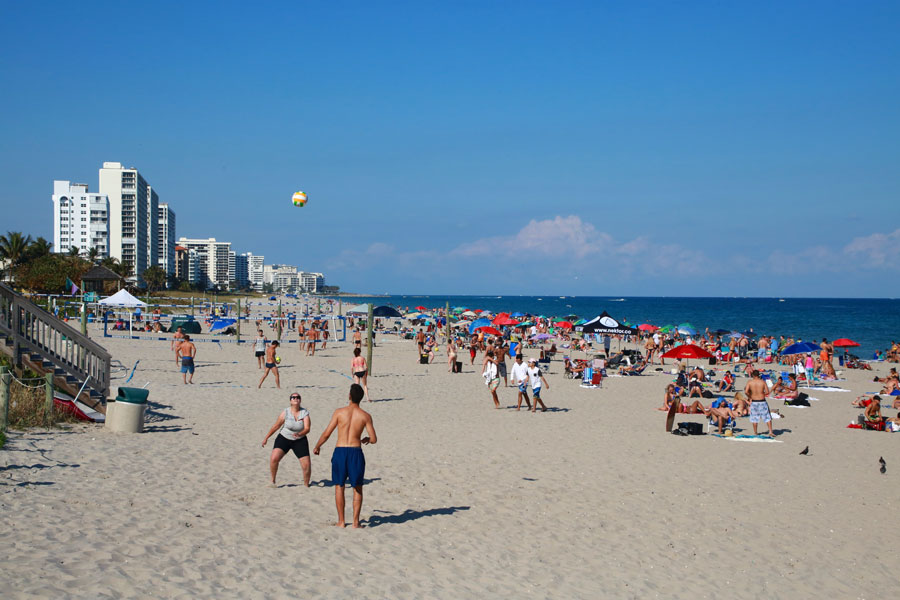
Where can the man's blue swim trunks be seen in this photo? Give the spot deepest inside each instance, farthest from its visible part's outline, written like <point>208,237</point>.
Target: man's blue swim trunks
<point>348,463</point>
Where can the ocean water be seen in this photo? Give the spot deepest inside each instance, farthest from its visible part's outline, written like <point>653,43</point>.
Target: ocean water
<point>871,322</point>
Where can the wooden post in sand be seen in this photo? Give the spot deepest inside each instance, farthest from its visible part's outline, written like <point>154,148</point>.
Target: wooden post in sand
<point>370,328</point>
<point>238,321</point>
<point>4,397</point>
<point>48,402</point>
<point>83,318</point>
<point>447,322</point>
<point>279,320</point>
<point>340,308</point>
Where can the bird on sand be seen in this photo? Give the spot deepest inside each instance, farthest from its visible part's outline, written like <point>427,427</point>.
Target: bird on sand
<point>805,451</point>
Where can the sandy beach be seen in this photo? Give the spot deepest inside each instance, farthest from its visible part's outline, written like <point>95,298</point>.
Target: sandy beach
<point>590,499</point>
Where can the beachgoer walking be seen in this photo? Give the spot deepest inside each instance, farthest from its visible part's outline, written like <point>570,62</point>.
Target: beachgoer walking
<point>357,338</point>
<point>348,461</point>
<point>360,371</point>
<point>500,352</point>
<point>520,379</point>
<point>420,343</point>
<point>271,365</point>
<point>259,348</point>
<point>536,378</point>
<point>757,390</point>
<point>188,351</point>
<point>293,424</point>
<point>451,354</point>
<point>491,376</point>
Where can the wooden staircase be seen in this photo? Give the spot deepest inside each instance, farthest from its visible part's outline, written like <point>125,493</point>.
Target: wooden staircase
<point>33,338</point>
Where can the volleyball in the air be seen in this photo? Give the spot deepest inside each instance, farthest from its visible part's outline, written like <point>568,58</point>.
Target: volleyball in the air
<point>299,199</point>
<point>277,360</point>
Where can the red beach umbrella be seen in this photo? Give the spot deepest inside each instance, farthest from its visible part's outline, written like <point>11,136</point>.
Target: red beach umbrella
<point>488,330</point>
<point>687,351</point>
<point>421,308</point>
<point>505,321</point>
<point>844,343</point>
<point>563,324</point>
<point>647,327</point>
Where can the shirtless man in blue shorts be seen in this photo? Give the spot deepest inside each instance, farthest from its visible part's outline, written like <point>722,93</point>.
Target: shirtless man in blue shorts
<point>347,461</point>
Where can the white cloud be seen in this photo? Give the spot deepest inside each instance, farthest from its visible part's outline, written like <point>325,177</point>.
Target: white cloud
<point>875,250</point>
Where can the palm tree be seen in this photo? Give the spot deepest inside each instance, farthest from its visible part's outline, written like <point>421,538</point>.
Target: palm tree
<point>92,255</point>
<point>74,251</point>
<point>13,250</point>
<point>38,248</point>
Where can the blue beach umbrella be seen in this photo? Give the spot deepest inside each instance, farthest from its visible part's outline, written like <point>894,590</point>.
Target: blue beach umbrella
<point>221,324</point>
<point>517,314</point>
<point>478,323</point>
<point>801,348</point>
<point>686,330</point>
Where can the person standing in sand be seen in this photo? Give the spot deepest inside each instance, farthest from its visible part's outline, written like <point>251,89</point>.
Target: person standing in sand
<point>271,365</point>
<point>757,390</point>
<point>187,350</point>
<point>536,377</point>
<point>360,371</point>
<point>294,424</point>
<point>491,376</point>
<point>259,348</point>
<point>348,461</point>
<point>176,342</point>
<point>451,354</point>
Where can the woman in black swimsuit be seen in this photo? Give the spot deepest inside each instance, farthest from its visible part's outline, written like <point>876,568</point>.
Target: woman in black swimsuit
<point>360,371</point>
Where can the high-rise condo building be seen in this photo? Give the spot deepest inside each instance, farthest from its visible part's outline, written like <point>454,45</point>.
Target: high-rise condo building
<point>80,219</point>
<point>166,242</point>
<point>215,263</point>
<point>249,270</point>
<point>133,217</point>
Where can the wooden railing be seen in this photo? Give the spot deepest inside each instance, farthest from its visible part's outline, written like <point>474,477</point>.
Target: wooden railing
<point>35,331</point>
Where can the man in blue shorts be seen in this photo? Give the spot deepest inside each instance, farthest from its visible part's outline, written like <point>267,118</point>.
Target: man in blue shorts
<point>347,461</point>
<point>187,350</point>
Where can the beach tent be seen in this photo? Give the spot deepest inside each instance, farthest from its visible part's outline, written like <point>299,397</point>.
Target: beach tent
<point>359,309</point>
<point>122,299</point>
<point>606,325</point>
<point>386,311</point>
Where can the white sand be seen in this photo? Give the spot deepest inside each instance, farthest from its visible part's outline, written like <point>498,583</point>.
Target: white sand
<point>592,499</point>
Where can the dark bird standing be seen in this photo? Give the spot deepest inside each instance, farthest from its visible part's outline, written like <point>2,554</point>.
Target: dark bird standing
<point>805,451</point>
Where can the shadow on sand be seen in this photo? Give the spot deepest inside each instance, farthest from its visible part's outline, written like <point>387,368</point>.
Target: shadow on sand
<point>410,515</point>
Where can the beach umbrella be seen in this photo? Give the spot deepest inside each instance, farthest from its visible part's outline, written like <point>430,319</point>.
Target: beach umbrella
<point>748,333</point>
<point>720,332</point>
<point>686,330</point>
<point>517,314</point>
<point>647,327</point>
<point>474,325</point>
<point>580,322</point>
<point>525,324</point>
<point>542,336</point>
<point>505,322</point>
<point>488,329</point>
<point>801,348</point>
<point>687,351</point>
<point>421,308</point>
<point>386,311</point>
<point>469,313</point>
<point>666,328</point>
<point>563,324</point>
<point>844,343</point>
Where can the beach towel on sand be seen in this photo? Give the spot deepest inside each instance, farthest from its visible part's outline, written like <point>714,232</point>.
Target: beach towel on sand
<point>747,438</point>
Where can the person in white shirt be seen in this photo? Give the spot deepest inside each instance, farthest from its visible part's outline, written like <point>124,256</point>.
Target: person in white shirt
<point>536,377</point>
<point>520,378</point>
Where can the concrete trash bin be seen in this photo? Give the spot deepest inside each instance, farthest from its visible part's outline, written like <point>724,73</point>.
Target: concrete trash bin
<point>126,413</point>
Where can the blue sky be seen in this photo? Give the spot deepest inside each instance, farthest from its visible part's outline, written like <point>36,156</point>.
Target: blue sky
<point>669,148</point>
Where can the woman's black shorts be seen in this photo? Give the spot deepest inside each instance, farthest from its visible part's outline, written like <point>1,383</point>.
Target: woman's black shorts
<point>300,447</point>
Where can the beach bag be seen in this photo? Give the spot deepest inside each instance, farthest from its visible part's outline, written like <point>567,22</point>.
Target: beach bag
<point>457,367</point>
<point>800,400</point>
<point>712,360</point>
<point>692,428</point>
<point>706,394</point>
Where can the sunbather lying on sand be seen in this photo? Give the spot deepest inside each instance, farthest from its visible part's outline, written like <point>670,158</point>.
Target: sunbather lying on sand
<point>671,395</point>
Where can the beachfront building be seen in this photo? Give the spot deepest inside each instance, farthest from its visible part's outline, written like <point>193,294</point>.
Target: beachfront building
<point>215,266</point>
<point>187,265</point>
<point>133,217</point>
<point>283,278</point>
<point>248,270</point>
<point>80,219</point>
<point>166,239</point>
<point>311,283</point>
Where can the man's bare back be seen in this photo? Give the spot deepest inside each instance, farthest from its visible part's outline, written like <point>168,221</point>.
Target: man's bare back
<point>351,422</point>
<point>756,389</point>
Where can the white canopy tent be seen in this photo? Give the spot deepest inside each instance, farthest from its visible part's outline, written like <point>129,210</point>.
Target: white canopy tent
<point>122,299</point>
<point>359,309</point>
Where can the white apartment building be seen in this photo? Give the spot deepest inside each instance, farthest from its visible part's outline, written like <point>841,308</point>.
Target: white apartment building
<point>284,278</point>
<point>215,263</point>
<point>311,282</point>
<point>166,242</point>
<point>248,270</point>
<point>80,219</point>
<point>133,217</point>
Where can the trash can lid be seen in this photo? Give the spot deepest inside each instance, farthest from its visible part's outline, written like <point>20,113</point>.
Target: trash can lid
<point>133,395</point>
